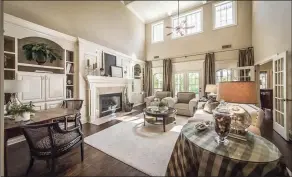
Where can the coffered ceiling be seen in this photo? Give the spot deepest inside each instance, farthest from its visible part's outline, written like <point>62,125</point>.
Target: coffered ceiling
<point>150,11</point>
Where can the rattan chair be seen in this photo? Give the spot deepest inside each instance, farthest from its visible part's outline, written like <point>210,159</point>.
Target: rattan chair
<point>71,104</point>
<point>49,141</point>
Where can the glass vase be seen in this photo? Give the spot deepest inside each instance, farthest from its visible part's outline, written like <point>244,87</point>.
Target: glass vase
<point>222,125</point>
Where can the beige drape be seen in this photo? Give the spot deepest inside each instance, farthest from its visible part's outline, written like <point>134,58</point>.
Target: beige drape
<point>148,78</point>
<point>167,75</point>
<point>209,70</point>
<point>246,58</point>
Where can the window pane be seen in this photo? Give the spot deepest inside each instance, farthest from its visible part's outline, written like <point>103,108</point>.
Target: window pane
<point>157,82</point>
<point>157,32</point>
<point>193,82</point>
<point>224,14</point>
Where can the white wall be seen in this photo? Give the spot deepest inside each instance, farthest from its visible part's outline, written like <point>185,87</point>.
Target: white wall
<point>238,36</point>
<point>271,28</point>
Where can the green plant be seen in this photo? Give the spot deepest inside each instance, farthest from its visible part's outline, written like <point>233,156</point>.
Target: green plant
<point>40,50</point>
<point>20,109</point>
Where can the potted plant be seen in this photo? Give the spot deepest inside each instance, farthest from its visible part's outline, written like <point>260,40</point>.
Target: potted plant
<point>21,112</point>
<point>40,52</point>
<point>126,103</point>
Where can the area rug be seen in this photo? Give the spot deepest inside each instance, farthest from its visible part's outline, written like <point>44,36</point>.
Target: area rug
<point>146,148</point>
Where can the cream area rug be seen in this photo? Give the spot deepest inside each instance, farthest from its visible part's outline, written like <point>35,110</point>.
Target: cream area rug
<point>108,118</point>
<point>146,148</point>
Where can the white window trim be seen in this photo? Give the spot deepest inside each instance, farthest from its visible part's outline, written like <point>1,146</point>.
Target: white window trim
<point>234,6</point>
<point>154,24</point>
<point>186,14</point>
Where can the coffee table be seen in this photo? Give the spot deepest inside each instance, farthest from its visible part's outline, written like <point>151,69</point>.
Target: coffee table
<point>159,117</point>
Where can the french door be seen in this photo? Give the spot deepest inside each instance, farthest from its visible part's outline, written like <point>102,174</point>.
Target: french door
<point>188,82</point>
<point>280,101</point>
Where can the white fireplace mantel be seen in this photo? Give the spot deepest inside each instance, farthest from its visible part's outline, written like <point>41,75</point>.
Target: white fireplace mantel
<point>99,83</point>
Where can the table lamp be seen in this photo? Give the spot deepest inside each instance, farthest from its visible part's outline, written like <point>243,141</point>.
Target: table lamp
<point>211,89</point>
<point>241,92</point>
<point>13,87</point>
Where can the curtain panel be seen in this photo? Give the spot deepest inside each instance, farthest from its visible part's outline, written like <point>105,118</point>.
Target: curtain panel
<point>148,78</point>
<point>246,58</point>
<point>209,70</point>
<point>167,75</point>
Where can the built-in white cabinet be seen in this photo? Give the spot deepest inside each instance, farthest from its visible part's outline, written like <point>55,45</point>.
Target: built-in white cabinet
<point>53,104</point>
<point>43,87</point>
<point>39,106</point>
<point>55,87</point>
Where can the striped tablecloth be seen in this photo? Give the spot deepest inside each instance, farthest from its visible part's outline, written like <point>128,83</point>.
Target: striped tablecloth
<point>198,154</point>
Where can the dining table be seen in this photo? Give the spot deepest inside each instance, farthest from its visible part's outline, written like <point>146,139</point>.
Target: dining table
<point>13,128</point>
<point>196,153</point>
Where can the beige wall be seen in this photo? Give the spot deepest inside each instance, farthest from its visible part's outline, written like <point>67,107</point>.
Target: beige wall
<point>108,23</point>
<point>1,93</point>
<point>209,40</point>
<point>271,28</point>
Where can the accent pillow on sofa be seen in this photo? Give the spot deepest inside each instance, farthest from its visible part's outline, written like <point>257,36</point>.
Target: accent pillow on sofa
<point>210,106</point>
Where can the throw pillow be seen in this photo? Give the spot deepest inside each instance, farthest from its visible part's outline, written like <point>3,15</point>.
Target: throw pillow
<point>210,106</point>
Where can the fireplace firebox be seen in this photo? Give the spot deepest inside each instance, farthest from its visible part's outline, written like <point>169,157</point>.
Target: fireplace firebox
<point>110,103</point>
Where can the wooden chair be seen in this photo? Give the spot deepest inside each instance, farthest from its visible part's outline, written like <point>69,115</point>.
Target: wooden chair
<point>71,104</point>
<point>49,141</point>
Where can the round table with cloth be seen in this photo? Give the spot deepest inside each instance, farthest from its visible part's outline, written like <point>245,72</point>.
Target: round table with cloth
<point>196,153</point>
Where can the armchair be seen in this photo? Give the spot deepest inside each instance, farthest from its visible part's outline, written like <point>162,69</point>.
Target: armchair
<point>158,94</point>
<point>71,104</point>
<point>49,141</point>
<point>184,103</point>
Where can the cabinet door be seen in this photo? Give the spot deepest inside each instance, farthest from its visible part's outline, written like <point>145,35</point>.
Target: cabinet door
<point>55,86</point>
<point>39,106</point>
<point>36,87</point>
<point>53,104</point>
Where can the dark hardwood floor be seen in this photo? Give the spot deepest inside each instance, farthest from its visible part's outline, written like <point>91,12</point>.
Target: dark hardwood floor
<point>97,163</point>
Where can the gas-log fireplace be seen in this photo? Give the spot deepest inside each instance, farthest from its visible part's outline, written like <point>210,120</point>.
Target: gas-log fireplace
<point>110,103</point>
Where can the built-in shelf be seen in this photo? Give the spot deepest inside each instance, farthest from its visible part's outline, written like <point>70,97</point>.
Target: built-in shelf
<point>70,73</point>
<point>9,69</point>
<point>13,53</point>
<point>70,85</point>
<point>40,66</point>
<point>69,61</point>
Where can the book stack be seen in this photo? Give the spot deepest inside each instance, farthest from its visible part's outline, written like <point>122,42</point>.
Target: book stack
<point>69,68</point>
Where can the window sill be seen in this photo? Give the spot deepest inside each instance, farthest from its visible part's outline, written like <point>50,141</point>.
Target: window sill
<point>156,42</point>
<point>178,37</point>
<point>226,26</point>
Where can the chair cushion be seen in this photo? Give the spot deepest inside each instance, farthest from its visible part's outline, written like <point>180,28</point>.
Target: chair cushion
<point>162,94</point>
<point>210,106</point>
<point>185,97</point>
<point>183,106</point>
<point>59,138</point>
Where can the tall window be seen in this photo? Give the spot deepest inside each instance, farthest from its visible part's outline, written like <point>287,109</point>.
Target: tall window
<point>224,14</point>
<point>193,82</point>
<point>223,75</point>
<point>157,82</point>
<point>263,80</point>
<point>193,19</point>
<point>157,32</point>
<point>179,82</point>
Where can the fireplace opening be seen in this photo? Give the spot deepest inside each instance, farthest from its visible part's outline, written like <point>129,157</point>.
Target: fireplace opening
<point>110,103</point>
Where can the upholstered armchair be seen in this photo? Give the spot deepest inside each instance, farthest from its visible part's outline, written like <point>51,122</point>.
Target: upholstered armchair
<point>48,142</point>
<point>184,103</point>
<point>159,94</point>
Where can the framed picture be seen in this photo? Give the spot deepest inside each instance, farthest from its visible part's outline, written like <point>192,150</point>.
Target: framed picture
<point>117,71</point>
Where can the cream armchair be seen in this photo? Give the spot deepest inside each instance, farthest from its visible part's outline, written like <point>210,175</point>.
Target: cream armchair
<point>184,103</point>
<point>159,94</point>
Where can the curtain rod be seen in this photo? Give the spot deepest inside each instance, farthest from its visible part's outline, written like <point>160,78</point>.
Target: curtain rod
<point>191,55</point>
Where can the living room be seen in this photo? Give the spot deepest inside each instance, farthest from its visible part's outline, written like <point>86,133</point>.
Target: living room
<point>139,88</point>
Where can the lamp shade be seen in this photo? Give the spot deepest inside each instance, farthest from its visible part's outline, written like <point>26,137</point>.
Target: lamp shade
<point>16,86</point>
<point>237,92</point>
<point>210,88</point>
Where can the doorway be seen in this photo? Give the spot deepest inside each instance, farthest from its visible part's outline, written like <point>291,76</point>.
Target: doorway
<point>266,86</point>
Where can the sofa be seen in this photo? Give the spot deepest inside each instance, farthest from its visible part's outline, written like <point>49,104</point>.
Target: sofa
<point>159,94</point>
<point>184,103</point>
<point>255,112</point>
